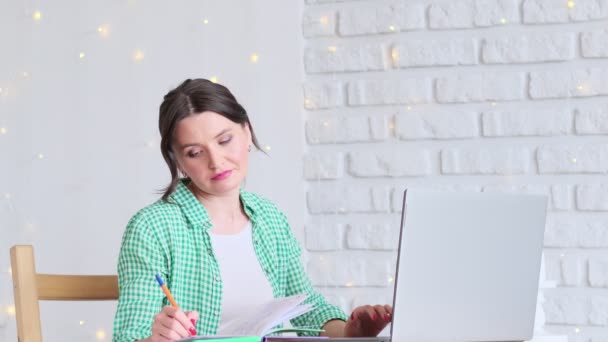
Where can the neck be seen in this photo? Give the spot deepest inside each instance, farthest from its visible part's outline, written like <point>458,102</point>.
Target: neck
<point>219,207</point>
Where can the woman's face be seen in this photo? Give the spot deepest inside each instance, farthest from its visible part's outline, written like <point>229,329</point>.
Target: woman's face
<point>213,151</point>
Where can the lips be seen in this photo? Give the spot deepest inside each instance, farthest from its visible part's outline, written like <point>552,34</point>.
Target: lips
<point>222,175</point>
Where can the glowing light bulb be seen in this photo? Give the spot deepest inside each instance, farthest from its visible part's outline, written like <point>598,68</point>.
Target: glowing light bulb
<point>205,21</point>
<point>254,58</point>
<point>37,15</point>
<point>3,130</point>
<point>81,323</point>
<point>408,108</point>
<point>307,102</point>
<point>577,330</point>
<point>573,160</point>
<point>10,310</point>
<point>392,28</point>
<point>104,30</point>
<point>390,279</point>
<point>349,284</point>
<point>332,49</point>
<point>267,148</point>
<point>40,156</point>
<point>100,334</point>
<point>138,56</point>
<point>503,20</point>
<point>571,4</point>
<point>213,79</point>
<point>324,20</point>
<point>395,54</point>
<point>81,55</point>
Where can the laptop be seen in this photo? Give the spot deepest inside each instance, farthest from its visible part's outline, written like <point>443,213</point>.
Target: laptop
<point>468,268</point>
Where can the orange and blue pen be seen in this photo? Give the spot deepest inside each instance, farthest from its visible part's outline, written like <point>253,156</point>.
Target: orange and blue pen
<point>165,289</point>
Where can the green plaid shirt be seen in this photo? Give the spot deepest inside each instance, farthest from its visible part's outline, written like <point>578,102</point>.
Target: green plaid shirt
<point>172,239</point>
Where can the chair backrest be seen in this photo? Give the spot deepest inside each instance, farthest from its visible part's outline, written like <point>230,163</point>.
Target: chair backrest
<point>29,287</point>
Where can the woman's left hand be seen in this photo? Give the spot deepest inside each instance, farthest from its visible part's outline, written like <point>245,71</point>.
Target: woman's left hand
<point>368,321</point>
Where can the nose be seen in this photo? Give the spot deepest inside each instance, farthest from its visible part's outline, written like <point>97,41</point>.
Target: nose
<point>214,159</point>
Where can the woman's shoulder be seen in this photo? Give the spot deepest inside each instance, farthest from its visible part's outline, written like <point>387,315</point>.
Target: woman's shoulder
<point>260,205</point>
<point>156,212</point>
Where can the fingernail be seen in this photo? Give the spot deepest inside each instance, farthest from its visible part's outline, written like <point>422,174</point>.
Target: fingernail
<point>387,317</point>
<point>352,316</point>
<point>192,331</point>
<point>374,317</point>
<point>193,321</point>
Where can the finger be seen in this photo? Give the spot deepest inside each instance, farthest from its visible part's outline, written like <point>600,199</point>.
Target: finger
<point>365,312</point>
<point>381,312</point>
<point>162,333</point>
<point>181,317</point>
<point>389,309</point>
<point>193,316</point>
<point>167,319</point>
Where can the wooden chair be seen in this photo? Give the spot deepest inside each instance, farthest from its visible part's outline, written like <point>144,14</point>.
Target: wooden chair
<point>29,287</point>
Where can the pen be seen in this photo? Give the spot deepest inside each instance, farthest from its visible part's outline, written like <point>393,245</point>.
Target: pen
<point>171,300</point>
<point>166,291</point>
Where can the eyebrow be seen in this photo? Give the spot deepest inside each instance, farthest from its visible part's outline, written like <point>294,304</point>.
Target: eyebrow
<point>217,135</point>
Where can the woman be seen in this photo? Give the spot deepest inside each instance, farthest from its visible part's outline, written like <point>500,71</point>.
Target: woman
<point>220,250</point>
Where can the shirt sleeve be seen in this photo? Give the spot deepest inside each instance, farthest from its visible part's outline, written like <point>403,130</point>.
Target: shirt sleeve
<point>140,297</point>
<point>298,282</point>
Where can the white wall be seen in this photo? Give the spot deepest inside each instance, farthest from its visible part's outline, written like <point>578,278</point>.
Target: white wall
<point>475,95</point>
<point>94,121</point>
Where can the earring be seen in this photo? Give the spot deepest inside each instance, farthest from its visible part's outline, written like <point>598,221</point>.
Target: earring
<point>249,149</point>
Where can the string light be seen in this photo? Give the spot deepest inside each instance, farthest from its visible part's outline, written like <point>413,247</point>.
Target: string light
<point>349,284</point>
<point>213,79</point>
<point>81,323</point>
<point>571,4</point>
<point>307,102</point>
<point>392,28</point>
<point>503,20</point>
<point>324,20</point>
<point>395,55</point>
<point>10,310</point>
<point>100,334</point>
<point>267,148</point>
<point>332,48</point>
<point>104,30</point>
<point>573,160</point>
<point>577,330</point>
<point>254,58</point>
<point>3,130</point>
<point>408,108</point>
<point>138,56</point>
<point>81,55</point>
<point>40,156</point>
<point>205,21</point>
<point>390,279</point>
<point>37,15</point>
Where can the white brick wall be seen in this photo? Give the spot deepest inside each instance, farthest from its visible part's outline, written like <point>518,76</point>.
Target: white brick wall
<point>471,95</point>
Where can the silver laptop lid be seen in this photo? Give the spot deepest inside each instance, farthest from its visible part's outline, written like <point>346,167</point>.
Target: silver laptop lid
<point>468,266</point>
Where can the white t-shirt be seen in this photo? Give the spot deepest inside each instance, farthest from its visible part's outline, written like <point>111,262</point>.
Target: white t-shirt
<point>245,285</point>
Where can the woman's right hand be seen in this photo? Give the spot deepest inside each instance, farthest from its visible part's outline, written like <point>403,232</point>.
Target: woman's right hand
<point>172,324</point>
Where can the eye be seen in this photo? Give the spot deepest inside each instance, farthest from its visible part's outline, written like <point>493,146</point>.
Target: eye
<point>193,153</point>
<point>225,140</point>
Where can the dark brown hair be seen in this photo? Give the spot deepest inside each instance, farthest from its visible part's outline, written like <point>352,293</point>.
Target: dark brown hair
<point>190,98</point>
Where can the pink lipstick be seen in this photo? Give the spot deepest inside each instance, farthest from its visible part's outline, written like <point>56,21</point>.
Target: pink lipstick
<point>222,175</point>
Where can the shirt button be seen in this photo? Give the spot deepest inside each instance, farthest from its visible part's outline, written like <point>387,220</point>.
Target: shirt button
<point>256,242</point>
<point>210,251</point>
